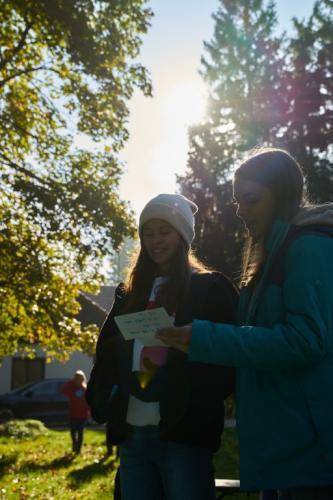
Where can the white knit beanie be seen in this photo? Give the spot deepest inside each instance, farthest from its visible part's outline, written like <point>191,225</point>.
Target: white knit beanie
<point>175,209</point>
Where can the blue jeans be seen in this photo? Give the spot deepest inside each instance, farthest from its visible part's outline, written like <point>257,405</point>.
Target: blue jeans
<point>151,469</point>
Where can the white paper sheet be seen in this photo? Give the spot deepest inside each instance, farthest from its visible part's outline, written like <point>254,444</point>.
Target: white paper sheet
<point>143,325</point>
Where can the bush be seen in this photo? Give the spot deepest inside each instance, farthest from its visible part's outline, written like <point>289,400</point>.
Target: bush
<point>21,429</point>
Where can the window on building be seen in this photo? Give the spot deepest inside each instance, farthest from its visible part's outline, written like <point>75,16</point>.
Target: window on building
<point>25,371</point>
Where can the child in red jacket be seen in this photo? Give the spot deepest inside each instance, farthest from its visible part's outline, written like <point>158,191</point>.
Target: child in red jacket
<point>75,390</point>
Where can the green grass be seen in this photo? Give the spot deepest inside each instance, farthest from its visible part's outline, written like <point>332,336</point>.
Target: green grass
<point>43,467</point>
<point>226,462</point>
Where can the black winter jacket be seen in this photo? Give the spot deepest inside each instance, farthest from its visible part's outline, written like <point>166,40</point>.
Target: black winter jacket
<point>192,398</point>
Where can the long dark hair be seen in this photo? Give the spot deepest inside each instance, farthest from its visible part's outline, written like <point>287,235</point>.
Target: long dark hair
<point>278,171</point>
<point>170,295</point>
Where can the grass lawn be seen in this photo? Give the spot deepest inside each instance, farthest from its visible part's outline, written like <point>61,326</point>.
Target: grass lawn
<point>226,463</point>
<point>44,467</point>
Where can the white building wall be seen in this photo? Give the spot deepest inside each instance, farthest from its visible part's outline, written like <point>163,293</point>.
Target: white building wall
<point>77,361</point>
<point>55,369</point>
<point>5,374</point>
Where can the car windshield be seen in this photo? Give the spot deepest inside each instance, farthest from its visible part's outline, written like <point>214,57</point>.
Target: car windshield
<point>22,388</point>
<point>40,385</point>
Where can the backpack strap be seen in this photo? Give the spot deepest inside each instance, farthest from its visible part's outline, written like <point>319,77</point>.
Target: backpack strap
<point>277,272</point>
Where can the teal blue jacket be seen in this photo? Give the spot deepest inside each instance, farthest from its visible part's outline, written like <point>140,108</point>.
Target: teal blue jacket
<point>284,357</point>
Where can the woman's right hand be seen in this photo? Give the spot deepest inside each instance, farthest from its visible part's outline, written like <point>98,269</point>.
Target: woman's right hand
<point>178,337</point>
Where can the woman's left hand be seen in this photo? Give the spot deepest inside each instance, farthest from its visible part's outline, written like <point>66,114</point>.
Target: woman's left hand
<point>178,337</point>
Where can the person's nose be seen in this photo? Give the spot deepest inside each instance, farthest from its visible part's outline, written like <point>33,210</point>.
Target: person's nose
<point>156,239</point>
<point>239,210</point>
<point>242,212</point>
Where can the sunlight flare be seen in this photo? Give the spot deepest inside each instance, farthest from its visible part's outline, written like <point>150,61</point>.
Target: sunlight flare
<point>186,103</point>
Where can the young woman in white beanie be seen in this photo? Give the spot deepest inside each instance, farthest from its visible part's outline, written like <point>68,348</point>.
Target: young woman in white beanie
<point>167,414</point>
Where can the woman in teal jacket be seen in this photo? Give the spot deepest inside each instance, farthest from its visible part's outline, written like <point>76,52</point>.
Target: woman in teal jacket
<point>283,344</point>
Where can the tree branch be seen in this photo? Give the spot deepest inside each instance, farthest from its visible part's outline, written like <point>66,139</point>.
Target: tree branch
<point>18,47</point>
<point>22,72</point>
<point>6,116</point>
<point>25,171</point>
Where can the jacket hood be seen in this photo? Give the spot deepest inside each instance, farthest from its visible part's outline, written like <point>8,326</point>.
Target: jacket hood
<point>315,214</point>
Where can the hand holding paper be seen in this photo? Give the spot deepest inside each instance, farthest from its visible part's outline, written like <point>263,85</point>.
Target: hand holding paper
<point>143,325</point>
<point>178,337</point>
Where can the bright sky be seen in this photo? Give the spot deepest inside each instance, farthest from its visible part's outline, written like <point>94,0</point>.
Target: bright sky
<point>157,148</point>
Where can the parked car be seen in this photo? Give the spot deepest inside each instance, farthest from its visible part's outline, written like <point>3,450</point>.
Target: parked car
<point>39,400</point>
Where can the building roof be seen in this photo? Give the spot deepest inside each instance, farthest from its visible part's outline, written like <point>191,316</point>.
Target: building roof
<point>104,299</point>
<point>94,308</point>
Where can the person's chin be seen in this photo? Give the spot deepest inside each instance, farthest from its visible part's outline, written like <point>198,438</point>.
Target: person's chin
<point>253,233</point>
<point>257,236</point>
<point>160,260</point>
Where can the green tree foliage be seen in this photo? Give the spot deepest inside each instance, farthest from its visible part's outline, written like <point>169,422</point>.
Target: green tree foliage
<point>121,261</point>
<point>265,89</point>
<point>241,67</point>
<point>307,126</point>
<point>66,68</point>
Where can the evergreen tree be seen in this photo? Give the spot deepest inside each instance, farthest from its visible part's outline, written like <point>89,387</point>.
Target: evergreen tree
<point>241,66</point>
<point>307,125</point>
<point>264,90</point>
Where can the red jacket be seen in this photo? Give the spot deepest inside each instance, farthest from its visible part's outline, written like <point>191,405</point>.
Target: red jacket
<point>78,407</point>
